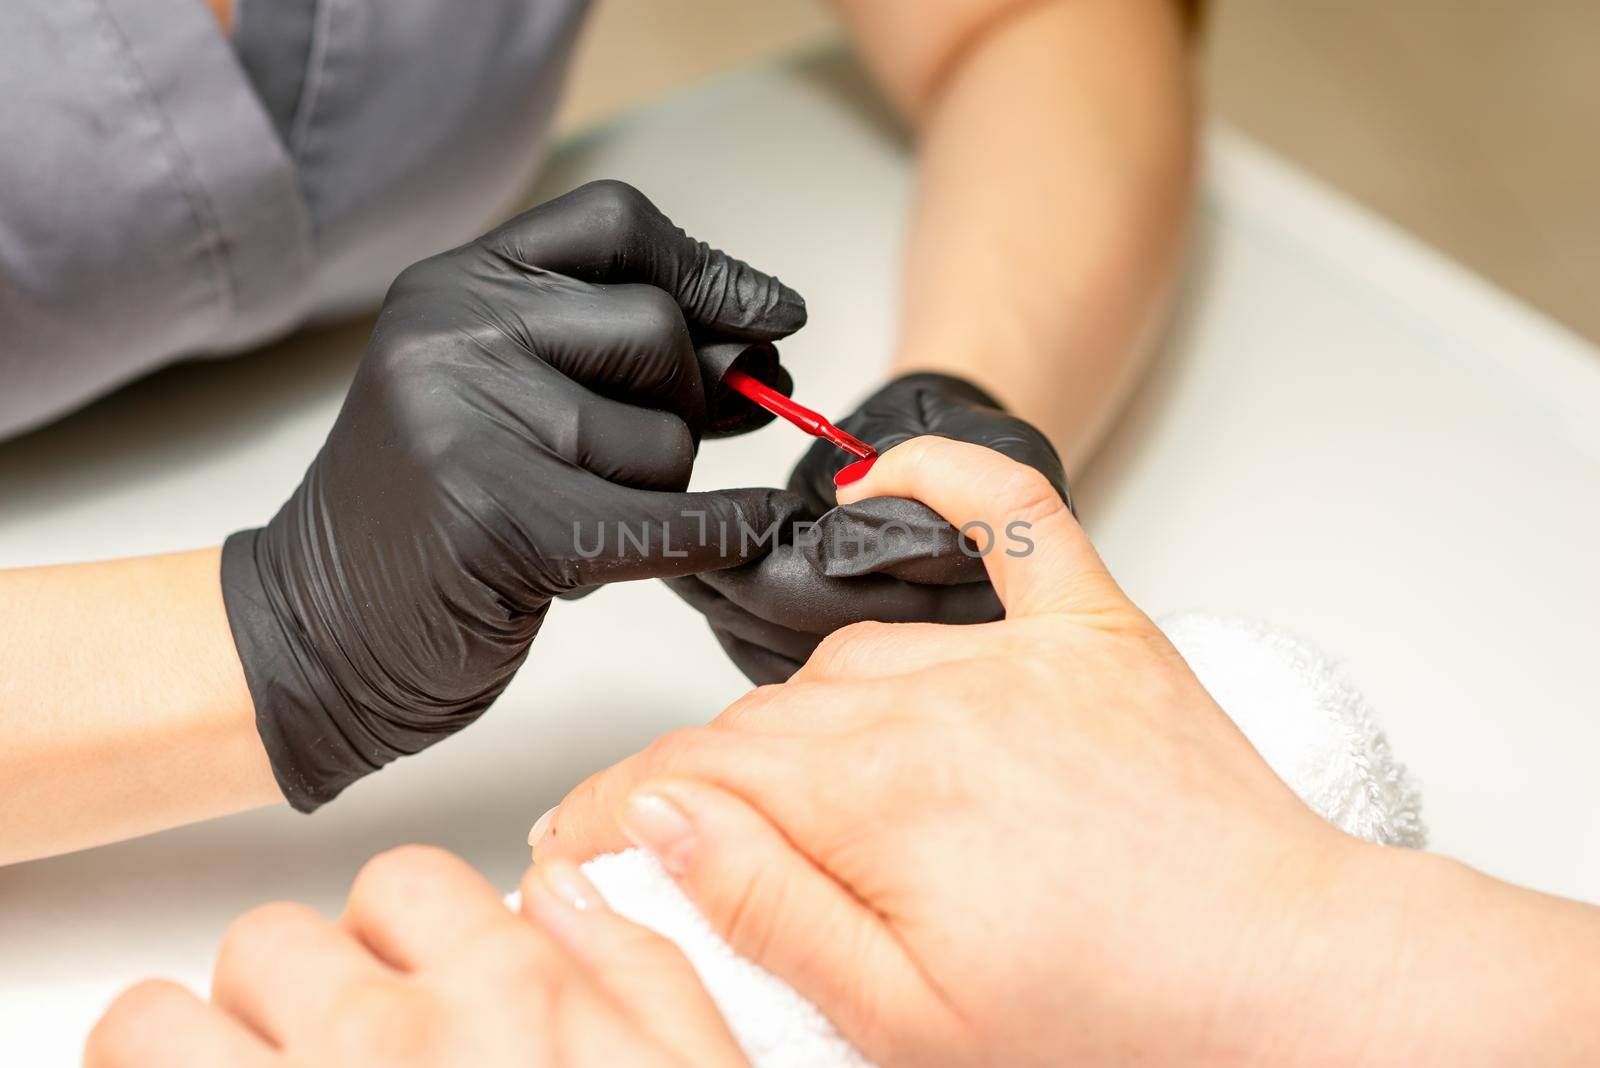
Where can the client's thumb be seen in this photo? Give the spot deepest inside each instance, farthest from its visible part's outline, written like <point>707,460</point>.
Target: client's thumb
<point>1037,556</point>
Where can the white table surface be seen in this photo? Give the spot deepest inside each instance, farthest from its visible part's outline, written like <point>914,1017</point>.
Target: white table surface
<point>1344,434</point>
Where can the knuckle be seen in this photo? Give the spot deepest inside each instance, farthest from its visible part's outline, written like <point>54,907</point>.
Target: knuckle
<point>838,649</point>
<point>399,867</point>
<point>134,1023</point>
<point>422,276</point>
<point>515,958</point>
<point>860,632</point>
<point>1025,494</point>
<point>408,356</point>
<point>672,447</point>
<point>922,450</point>
<point>779,703</point>
<point>438,430</point>
<point>440,448</point>
<point>385,1021</point>
<point>753,915</point>
<point>651,316</point>
<point>673,750</point>
<point>261,929</point>
<point>615,205</point>
<point>753,703</point>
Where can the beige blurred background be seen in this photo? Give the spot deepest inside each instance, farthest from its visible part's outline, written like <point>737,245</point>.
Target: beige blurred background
<point>1472,123</point>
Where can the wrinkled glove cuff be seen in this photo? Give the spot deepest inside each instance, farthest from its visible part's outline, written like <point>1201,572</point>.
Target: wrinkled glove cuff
<point>947,384</point>
<point>301,716</point>
<point>961,390</point>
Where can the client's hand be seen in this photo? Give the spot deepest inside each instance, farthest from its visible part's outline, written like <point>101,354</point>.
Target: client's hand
<point>1030,842</point>
<point>885,559</point>
<point>521,427</point>
<point>428,969</point>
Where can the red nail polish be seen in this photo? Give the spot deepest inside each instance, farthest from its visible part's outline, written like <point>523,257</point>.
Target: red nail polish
<point>854,472</point>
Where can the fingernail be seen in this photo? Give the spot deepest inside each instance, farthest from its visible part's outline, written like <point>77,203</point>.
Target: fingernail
<point>567,884</point>
<point>541,825</point>
<point>658,825</point>
<point>854,472</point>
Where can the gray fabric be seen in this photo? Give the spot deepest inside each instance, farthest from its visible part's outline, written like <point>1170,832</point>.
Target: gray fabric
<point>273,39</point>
<point>423,122</point>
<point>151,211</point>
<point>146,209</point>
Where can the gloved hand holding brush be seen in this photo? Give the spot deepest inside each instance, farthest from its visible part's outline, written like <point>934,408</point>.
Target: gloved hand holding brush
<point>526,404</point>
<point>521,427</point>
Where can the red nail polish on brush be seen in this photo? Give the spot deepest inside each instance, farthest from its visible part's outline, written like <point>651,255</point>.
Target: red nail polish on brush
<point>809,421</point>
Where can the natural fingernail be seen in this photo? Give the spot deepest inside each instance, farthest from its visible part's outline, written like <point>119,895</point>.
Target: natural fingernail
<point>658,825</point>
<point>541,825</point>
<point>567,884</point>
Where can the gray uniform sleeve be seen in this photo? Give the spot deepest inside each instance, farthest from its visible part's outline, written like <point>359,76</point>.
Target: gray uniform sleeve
<point>164,194</point>
<point>147,209</point>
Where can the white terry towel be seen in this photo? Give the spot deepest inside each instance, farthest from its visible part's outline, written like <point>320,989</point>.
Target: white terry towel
<point>1294,704</point>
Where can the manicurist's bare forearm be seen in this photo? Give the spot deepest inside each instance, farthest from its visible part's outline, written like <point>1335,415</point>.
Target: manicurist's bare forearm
<point>123,709</point>
<point>1056,143</point>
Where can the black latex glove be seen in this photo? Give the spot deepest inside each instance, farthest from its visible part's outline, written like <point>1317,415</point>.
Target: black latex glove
<point>885,558</point>
<point>519,396</point>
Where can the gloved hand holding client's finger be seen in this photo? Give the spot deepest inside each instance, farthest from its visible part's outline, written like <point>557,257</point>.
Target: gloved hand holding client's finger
<point>885,559</point>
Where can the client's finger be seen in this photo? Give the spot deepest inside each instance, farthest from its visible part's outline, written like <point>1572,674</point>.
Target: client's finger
<point>416,906</point>
<point>770,768</point>
<point>1036,554</point>
<point>885,650</point>
<point>646,976</point>
<point>159,1024</point>
<point>815,709</point>
<point>771,902</point>
<point>282,965</point>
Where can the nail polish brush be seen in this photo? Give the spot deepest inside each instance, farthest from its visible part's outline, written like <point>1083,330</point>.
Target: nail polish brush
<point>811,422</point>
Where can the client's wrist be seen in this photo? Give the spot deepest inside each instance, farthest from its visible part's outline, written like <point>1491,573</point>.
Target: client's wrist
<point>1376,993</point>
<point>1406,957</point>
<point>1490,973</point>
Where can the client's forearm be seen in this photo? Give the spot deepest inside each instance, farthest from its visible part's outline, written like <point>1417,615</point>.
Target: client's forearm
<point>123,709</point>
<point>1056,166</point>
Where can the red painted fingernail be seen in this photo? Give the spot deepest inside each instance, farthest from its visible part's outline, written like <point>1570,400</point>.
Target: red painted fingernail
<point>854,472</point>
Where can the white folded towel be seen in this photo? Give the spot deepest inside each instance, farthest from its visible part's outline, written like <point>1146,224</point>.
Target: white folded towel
<point>1295,705</point>
<point>1306,719</point>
